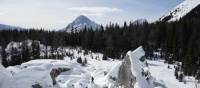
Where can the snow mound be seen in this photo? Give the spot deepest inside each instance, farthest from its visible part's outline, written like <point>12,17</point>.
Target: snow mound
<point>35,72</point>
<point>5,77</point>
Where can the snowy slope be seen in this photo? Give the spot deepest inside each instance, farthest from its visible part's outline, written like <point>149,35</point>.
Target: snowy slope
<point>180,10</point>
<point>80,23</point>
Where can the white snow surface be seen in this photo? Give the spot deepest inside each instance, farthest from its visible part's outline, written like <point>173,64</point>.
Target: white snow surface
<point>38,72</point>
<point>182,9</point>
<point>80,76</point>
<point>30,73</point>
<point>164,75</point>
<point>5,77</point>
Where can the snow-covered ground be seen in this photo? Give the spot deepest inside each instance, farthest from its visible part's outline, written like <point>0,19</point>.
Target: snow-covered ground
<point>78,76</point>
<point>35,72</point>
<point>164,75</point>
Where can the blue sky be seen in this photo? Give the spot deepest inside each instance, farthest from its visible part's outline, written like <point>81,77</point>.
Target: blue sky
<point>56,14</point>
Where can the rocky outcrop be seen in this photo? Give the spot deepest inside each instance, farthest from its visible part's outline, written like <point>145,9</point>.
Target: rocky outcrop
<point>133,72</point>
<point>55,72</point>
<point>36,86</point>
<point>126,79</point>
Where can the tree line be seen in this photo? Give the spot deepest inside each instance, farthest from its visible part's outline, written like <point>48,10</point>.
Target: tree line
<point>178,40</point>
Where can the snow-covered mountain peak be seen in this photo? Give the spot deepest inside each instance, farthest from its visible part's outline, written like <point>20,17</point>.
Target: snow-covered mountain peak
<point>80,23</point>
<point>140,21</point>
<point>181,10</point>
<point>82,18</point>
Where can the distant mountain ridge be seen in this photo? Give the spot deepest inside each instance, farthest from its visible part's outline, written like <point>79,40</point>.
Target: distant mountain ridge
<point>9,27</point>
<point>182,10</point>
<point>80,23</point>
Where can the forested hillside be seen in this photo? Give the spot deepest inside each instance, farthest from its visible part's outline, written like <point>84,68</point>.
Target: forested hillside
<point>177,41</point>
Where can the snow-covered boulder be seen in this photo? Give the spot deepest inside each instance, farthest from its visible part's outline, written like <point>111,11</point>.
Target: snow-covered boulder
<point>33,74</point>
<point>133,72</point>
<point>137,68</point>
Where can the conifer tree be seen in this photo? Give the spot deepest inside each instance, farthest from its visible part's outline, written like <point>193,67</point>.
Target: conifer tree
<point>35,50</point>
